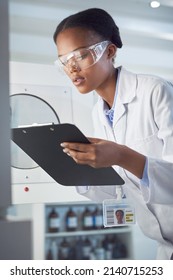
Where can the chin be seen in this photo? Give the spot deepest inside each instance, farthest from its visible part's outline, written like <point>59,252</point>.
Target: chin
<point>83,91</point>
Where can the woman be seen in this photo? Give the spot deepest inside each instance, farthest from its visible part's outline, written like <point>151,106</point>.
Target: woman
<point>133,121</point>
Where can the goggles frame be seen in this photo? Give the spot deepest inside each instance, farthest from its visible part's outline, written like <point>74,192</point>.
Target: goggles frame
<point>74,57</point>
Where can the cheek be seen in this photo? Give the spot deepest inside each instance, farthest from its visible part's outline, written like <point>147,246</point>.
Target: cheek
<point>93,79</point>
<point>98,75</point>
<point>96,72</point>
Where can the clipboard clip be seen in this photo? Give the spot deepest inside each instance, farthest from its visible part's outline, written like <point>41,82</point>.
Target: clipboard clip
<point>34,124</point>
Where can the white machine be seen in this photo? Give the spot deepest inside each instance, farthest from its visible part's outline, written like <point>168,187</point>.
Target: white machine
<point>38,96</point>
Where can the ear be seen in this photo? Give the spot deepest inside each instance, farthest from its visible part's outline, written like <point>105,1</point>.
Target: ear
<point>111,51</point>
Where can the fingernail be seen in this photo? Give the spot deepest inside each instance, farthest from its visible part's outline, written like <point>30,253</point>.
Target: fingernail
<point>62,145</point>
<point>66,151</point>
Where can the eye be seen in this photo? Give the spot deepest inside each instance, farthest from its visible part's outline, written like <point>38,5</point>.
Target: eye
<point>81,56</point>
<point>66,58</point>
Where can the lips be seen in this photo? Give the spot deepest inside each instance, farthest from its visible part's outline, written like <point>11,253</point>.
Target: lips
<point>78,80</point>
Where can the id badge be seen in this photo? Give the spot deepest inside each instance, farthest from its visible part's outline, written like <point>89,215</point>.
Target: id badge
<point>117,214</point>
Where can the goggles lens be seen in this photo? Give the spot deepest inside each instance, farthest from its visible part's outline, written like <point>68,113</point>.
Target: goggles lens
<point>85,57</point>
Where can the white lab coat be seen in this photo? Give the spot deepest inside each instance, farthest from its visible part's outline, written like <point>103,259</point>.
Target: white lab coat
<point>143,121</point>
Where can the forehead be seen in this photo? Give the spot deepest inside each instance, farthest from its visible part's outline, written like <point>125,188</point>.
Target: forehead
<point>74,38</point>
<point>119,212</point>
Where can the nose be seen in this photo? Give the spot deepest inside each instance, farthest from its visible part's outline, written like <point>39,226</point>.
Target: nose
<point>73,67</point>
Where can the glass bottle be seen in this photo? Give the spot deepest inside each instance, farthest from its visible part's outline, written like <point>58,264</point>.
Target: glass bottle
<point>100,251</point>
<point>49,255</point>
<point>79,248</point>
<point>87,219</point>
<point>71,220</point>
<point>119,250</point>
<point>72,250</point>
<point>64,248</point>
<point>53,221</point>
<point>98,218</point>
<point>86,249</point>
<point>108,244</point>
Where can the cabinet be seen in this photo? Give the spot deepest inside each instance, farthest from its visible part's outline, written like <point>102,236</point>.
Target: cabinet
<point>84,240</point>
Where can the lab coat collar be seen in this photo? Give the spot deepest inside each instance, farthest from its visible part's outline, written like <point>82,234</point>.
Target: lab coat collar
<point>127,86</point>
<point>126,93</point>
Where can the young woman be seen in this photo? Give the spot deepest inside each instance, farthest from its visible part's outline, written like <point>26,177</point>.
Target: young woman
<point>133,121</point>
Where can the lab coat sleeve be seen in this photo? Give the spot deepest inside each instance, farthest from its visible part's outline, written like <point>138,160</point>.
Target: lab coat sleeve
<point>160,188</point>
<point>160,171</point>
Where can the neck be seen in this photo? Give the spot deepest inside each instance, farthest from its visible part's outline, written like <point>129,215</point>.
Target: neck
<point>107,89</point>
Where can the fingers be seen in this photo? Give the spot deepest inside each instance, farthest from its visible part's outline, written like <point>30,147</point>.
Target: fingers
<point>81,153</point>
<point>79,157</point>
<point>80,147</point>
<point>98,153</point>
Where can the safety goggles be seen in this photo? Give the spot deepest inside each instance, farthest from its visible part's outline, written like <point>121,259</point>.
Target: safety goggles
<point>83,58</point>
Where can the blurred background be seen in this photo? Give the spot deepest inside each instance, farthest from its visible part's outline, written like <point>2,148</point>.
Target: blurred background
<point>147,33</point>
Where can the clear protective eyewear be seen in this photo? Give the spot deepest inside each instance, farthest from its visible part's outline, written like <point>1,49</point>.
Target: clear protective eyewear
<point>83,58</point>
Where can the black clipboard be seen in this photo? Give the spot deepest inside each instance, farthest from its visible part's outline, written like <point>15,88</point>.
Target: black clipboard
<point>42,144</point>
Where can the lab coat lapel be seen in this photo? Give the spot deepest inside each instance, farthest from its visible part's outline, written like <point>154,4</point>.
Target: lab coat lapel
<point>125,94</point>
<point>119,111</point>
<point>119,122</point>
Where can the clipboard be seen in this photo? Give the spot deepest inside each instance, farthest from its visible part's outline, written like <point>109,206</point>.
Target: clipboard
<point>42,144</point>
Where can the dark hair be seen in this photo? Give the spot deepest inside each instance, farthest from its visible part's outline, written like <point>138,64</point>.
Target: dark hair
<point>93,19</point>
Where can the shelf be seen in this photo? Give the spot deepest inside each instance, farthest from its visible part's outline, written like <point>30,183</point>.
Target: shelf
<point>121,234</point>
<point>114,230</point>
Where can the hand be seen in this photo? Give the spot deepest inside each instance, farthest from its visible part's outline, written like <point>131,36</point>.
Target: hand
<point>100,153</point>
